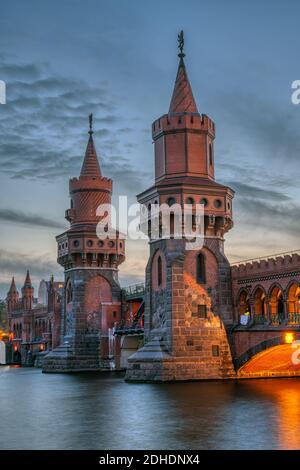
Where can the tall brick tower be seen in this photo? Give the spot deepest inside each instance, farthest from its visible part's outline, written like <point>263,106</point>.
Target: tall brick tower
<point>188,292</point>
<point>92,294</point>
<point>12,297</point>
<point>27,293</point>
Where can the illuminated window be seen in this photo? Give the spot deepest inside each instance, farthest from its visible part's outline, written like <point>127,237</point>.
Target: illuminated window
<point>159,271</point>
<point>201,277</point>
<point>215,350</point>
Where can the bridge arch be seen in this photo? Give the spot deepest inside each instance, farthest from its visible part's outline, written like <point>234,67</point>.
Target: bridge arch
<point>258,348</point>
<point>281,360</point>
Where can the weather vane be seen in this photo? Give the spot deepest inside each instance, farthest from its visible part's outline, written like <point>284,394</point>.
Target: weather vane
<point>180,40</point>
<point>91,122</point>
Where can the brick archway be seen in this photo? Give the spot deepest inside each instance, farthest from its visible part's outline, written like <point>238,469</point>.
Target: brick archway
<point>250,353</point>
<point>281,360</point>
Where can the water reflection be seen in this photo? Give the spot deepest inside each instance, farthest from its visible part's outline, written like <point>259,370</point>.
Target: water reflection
<point>285,396</point>
<point>88,411</point>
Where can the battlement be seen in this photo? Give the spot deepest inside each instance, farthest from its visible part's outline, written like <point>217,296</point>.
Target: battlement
<point>280,262</point>
<point>190,121</point>
<point>86,183</point>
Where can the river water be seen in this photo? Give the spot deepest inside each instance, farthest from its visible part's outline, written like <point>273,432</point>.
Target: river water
<point>101,411</point>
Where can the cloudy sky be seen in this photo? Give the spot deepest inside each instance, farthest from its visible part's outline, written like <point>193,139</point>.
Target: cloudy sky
<point>63,59</point>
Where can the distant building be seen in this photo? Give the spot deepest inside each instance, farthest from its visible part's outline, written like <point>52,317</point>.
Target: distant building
<point>34,328</point>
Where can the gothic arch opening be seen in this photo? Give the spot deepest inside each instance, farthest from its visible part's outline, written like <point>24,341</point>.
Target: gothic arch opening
<point>259,305</point>
<point>243,303</point>
<point>293,303</point>
<point>276,304</point>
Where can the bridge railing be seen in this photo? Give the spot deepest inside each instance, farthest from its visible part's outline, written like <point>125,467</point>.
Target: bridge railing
<point>134,290</point>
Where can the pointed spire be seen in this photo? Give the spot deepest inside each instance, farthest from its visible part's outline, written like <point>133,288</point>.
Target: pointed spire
<point>27,282</point>
<point>12,289</point>
<point>182,98</point>
<point>90,166</point>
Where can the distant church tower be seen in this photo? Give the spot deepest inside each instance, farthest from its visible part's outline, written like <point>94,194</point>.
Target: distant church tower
<point>92,294</point>
<point>188,292</point>
<point>12,298</point>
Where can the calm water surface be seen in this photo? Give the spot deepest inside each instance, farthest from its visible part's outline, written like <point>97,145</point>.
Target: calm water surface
<point>87,411</point>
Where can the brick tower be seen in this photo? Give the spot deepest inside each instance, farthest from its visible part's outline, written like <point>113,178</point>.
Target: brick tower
<point>188,292</point>
<point>12,298</point>
<point>27,293</point>
<point>92,294</point>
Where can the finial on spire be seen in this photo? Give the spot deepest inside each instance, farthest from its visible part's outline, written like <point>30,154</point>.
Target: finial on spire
<point>91,123</point>
<point>180,39</point>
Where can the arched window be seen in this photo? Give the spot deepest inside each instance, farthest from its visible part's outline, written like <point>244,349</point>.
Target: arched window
<point>210,155</point>
<point>69,292</point>
<point>159,271</point>
<point>201,277</point>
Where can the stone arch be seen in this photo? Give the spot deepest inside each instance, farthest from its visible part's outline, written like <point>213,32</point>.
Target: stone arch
<point>243,301</point>
<point>258,298</point>
<point>2,353</point>
<point>69,292</point>
<point>158,270</point>
<point>293,301</point>
<point>276,302</point>
<point>253,351</point>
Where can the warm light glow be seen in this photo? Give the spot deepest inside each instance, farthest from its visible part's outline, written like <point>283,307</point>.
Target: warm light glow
<point>15,348</point>
<point>289,338</point>
<point>42,347</point>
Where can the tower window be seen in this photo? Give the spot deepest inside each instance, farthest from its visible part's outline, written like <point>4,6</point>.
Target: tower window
<point>210,155</point>
<point>159,271</point>
<point>71,203</point>
<point>204,202</point>
<point>202,311</point>
<point>190,200</point>
<point>171,201</point>
<point>201,277</point>
<point>215,350</point>
<point>218,203</point>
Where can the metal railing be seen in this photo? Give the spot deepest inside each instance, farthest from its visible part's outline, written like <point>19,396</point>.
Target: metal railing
<point>135,289</point>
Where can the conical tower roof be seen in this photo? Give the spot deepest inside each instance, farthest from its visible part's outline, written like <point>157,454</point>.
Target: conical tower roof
<point>182,99</point>
<point>90,167</point>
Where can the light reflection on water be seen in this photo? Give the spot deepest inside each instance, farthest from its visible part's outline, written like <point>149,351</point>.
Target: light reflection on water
<point>88,411</point>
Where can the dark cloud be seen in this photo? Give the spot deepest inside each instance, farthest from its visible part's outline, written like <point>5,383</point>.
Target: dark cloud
<point>44,127</point>
<point>10,215</point>
<point>11,71</point>
<point>16,264</point>
<point>255,192</point>
<point>282,218</point>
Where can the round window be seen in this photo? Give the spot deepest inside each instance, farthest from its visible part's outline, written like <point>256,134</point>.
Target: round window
<point>189,200</point>
<point>100,243</point>
<point>111,244</point>
<point>218,203</point>
<point>76,243</point>
<point>89,243</point>
<point>204,202</point>
<point>171,201</point>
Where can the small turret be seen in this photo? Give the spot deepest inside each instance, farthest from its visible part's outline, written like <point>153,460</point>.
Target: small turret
<point>27,293</point>
<point>12,298</point>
